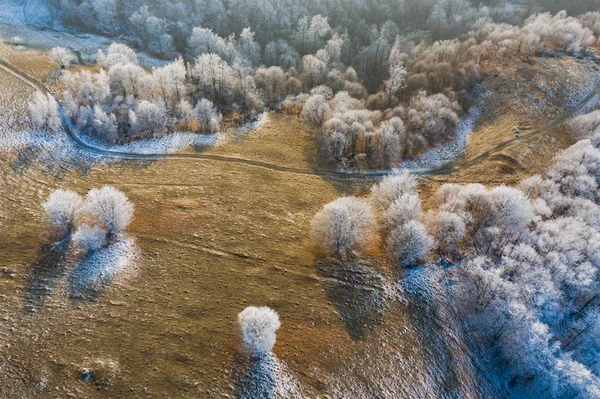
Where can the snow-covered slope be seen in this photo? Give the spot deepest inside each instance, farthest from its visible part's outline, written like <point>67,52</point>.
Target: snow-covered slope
<point>37,13</point>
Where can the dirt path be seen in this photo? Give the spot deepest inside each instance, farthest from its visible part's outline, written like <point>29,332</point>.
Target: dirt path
<point>451,167</point>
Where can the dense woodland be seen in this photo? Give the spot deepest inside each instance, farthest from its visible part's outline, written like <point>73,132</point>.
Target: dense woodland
<point>381,91</point>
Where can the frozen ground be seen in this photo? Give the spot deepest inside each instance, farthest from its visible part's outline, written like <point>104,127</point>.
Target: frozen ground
<point>36,13</point>
<point>266,377</point>
<point>169,144</point>
<point>94,273</point>
<point>251,126</point>
<point>33,23</point>
<point>460,370</point>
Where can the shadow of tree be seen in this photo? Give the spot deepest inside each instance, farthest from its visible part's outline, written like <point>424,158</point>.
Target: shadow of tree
<point>95,272</point>
<point>440,334</point>
<point>24,158</point>
<point>256,378</point>
<point>357,293</point>
<point>265,377</point>
<point>45,273</point>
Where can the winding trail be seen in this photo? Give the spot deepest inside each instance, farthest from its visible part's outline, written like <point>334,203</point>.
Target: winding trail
<point>449,168</point>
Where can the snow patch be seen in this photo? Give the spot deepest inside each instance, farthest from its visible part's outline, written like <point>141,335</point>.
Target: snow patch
<point>266,377</point>
<point>250,126</point>
<point>96,271</point>
<point>168,144</point>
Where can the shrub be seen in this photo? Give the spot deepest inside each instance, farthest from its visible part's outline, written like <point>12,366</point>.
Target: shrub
<point>61,209</point>
<point>343,226</point>
<point>111,208</point>
<point>257,328</point>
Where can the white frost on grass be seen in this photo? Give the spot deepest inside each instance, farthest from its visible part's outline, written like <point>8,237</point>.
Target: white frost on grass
<point>31,12</point>
<point>589,107</point>
<point>250,126</point>
<point>95,272</point>
<point>36,24</point>
<point>51,150</point>
<point>266,377</point>
<point>447,152</point>
<point>167,144</point>
<point>455,372</point>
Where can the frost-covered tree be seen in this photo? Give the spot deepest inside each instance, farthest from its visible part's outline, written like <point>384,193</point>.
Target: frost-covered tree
<point>393,187</point>
<point>110,208</point>
<point>184,114</point>
<point>152,32</point>
<point>315,109</point>
<point>248,49</point>
<point>343,227</point>
<point>106,13</point>
<point>119,53</point>
<point>396,81</point>
<point>213,77</point>
<point>314,70</point>
<point>104,125</point>
<point>526,270</point>
<point>205,41</point>
<point>44,112</point>
<point>207,116</point>
<point>272,82</point>
<point>149,117</point>
<point>448,230</point>
<point>438,18</point>
<point>258,327</point>
<point>171,82</point>
<point>61,57</point>
<point>402,210</point>
<point>90,238</point>
<point>408,244</point>
<point>584,126</point>
<point>61,210</point>
<point>125,78</point>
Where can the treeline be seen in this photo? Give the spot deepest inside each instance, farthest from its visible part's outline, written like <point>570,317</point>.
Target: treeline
<point>401,120</point>
<point>399,94</point>
<point>415,106</point>
<point>163,26</point>
<point>281,33</point>
<point>123,100</point>
<point>525,261</point>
